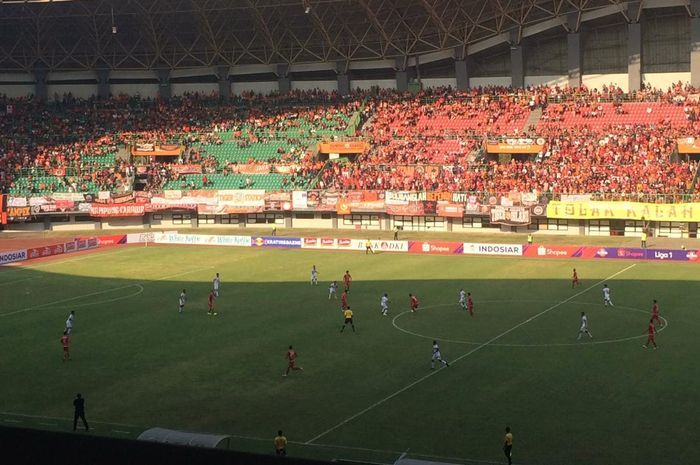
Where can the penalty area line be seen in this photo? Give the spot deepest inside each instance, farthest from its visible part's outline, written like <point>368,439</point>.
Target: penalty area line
<point>461,357</point>
<point>70,299</point>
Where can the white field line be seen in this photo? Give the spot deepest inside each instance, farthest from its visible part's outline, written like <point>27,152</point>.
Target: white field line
<point>15,281</point>
<point>70,299</point>
<point>41,417</point>
<point>587,343</point>
<point>473,351</point>
<point>139,291</point>
<point>14,267</point>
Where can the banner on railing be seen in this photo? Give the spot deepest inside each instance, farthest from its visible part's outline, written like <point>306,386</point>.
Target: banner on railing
<point>151,150</point>
<point>19,213</point>
<point>624,211</point>
<point>688,145</point>
<point>3,209</point>
<point>186,169</point>
<point>226,210</point>
<point>511,216</point>
<point>278,201</point>
<point>516,146</point>
<point>124,209</point>
<point>343,147</point>
<point>254,199</point>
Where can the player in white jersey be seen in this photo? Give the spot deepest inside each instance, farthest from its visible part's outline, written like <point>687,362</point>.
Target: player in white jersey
<point>314,275</point>
<point>606,296</point>
<point>437,356</point>
<point>69,323</point>
<point>584,326</point>
<point>384,302</point>
<point>463,299</point>
<point>216,285</point>
<point>333,290</point>
<point>182,300</point>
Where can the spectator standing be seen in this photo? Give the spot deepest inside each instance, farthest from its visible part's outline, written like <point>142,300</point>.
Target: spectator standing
<point>508,445</point>
<point>280,444</point>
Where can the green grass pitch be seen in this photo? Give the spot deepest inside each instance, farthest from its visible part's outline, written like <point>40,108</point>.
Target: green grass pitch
<point>365,396</point>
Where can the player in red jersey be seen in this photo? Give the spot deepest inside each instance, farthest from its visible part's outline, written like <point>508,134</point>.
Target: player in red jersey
<point>343,300</point>
<point>413,302</point>
<point>651,338</point>
<point>211,299</point>
<point>65,342</point>
<point>655,313</point>
<point>292,361</point>
<point>470,304</point>
<point>574,280</point>
<point>347,279</point>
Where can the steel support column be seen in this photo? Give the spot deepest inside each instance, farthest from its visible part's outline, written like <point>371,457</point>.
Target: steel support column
<point>634,48</point>
<point>164,88</point>
<point>283,82</point>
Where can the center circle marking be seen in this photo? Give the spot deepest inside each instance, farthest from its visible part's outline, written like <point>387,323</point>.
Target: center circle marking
<point>565,344</point>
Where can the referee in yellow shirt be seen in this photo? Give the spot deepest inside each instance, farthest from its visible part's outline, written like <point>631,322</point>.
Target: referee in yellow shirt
<point>508,445</point>
<point>347,313</point>
<point>368,247</point>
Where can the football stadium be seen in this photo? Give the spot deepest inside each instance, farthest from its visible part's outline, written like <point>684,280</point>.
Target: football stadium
<point>392,232</point>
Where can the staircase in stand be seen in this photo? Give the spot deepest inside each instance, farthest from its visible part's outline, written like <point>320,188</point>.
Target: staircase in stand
<point>532,122</point>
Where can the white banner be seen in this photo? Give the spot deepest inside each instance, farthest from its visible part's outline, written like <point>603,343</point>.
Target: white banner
<point>241,198</point>
<point>402,197</point>
<point>381,246</point>
<point>300,199</point>
<point>319,243</point>
<point>473,248</point>
<point>13,256</point>
<point>16,201</point>
<point>201,239</point>
<point>74,196</point>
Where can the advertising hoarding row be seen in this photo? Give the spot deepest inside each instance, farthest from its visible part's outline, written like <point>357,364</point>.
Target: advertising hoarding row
<point>421,247</point>
<point>32,253</point>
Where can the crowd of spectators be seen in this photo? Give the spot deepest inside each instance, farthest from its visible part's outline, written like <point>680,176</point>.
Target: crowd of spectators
<point>429,141</point>
<point>76,140</point>
<point>635,160</point>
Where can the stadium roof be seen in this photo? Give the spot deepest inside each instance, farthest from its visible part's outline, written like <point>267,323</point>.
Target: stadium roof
<point>78,34</point>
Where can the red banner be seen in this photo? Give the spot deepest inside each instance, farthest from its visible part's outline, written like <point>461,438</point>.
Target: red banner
<point>554,251</point>
<point>124,209</point>
<point>106,240</point>
<point>435,247</point>
<point>412,209</point>
<point>3,214</point>
<point>453,210</point>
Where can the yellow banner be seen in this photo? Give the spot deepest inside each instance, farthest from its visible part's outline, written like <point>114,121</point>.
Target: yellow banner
<point>624,211</point>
